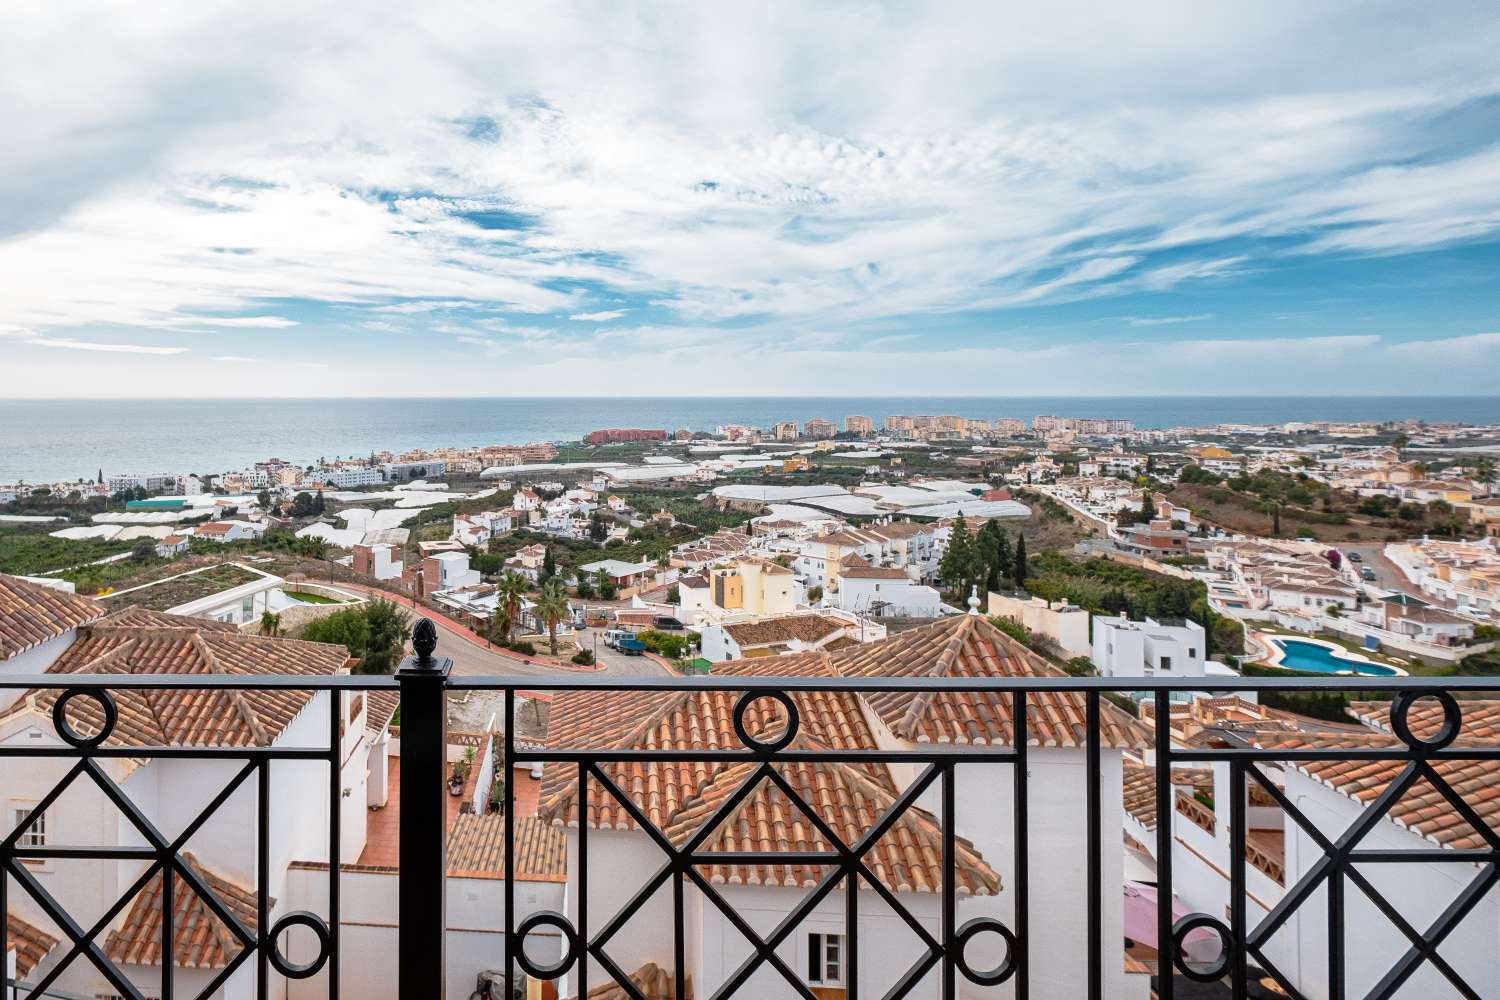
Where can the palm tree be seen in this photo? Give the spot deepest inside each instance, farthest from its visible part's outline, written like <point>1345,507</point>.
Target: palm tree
<point>511,588</point>
<point>1399,442</point>
<point>270,623</point>
<point>1273,507</point>
<point>552,608</point>
<point>1483,471</point>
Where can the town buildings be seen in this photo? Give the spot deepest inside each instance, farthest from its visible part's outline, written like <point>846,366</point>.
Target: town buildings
<point>859,426</point>
<point>1169,647</point>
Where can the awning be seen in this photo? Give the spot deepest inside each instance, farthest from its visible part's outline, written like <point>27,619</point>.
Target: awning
<point>1140,922</point>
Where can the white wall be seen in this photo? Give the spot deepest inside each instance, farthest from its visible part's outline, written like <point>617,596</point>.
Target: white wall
<point>1419,891</point>
<point>369,920</point>
<point>35,660</point>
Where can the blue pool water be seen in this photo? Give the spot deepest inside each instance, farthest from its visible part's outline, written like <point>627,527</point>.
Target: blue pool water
<point>1312,657</point>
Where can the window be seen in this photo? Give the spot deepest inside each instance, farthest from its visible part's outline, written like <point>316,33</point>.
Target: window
<point>825,959</point>
<point>35,835</point>
<point>1192,653</point>
<point>1166,663</point>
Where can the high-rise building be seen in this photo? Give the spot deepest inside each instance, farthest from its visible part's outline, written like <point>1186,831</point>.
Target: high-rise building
<point>863,426</point>
<point>820,428</point>
<point>785,430</point>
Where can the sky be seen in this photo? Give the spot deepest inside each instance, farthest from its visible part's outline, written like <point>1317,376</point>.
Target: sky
<point>1262,197</point>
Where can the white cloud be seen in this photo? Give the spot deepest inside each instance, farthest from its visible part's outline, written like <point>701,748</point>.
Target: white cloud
<point>86,345</point>
<point>1168,320</point>
<point>236,359</point>
<point>855,168</point>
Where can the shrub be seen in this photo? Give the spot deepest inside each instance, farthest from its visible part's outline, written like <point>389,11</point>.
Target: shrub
<point>524,647</point>
<point>673,647</point>
<point>584,657</point>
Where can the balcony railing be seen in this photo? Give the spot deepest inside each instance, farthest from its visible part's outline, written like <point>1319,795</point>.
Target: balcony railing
<point>424,684</point>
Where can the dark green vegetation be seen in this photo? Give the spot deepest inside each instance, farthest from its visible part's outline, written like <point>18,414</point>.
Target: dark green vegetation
<point>28,549</point>
<point>375,633</point>
<point>1103,586</point>
<point>1286,505</point>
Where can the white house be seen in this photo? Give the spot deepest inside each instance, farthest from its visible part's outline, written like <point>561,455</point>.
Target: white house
<point>229,531</point>
<point>1171,647</point>
<point>228,592</point>
<point>40,624</point>
<point>772,636</point>
<point>172,792</point>
<point>379,561</point>
<point>884,590</point>
<point>846,799</point>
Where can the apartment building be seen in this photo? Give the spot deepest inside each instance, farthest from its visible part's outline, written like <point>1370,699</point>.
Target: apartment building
<point>861,426</point>
<point>1175,647</point>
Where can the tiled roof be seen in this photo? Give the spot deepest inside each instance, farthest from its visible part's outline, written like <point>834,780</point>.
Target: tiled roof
<point>1139,786</point>
<point>808,628</point>
<point>30,614</point>
<point>874,573</point>
<point>677,797</point>
<point>476,846</point>
<point>1481,718</point>
<point>31,944</point>
<point>124,643</point>
<point>650,980</point>
<point>201,939</point>
<point>380,708</point>
<point>968,646</point>
<point>1422,809</point>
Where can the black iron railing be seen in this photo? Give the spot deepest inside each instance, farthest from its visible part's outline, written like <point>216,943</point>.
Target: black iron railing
<point>424,683</point>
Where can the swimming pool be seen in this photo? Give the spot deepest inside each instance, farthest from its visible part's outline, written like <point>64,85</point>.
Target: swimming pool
<point>1314,657</point>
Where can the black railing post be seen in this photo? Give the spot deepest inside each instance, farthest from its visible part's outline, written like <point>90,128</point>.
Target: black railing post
<point>422,910</point>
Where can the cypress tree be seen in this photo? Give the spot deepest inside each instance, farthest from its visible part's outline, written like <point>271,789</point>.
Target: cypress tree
<point>1020,561</point>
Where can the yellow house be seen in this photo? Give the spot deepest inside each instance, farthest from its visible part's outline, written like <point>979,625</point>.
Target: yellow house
<point>754,586</point>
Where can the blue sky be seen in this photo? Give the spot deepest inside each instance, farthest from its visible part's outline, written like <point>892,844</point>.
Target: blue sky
<point>559,199</point>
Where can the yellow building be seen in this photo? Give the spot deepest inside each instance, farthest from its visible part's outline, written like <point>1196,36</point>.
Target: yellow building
<point>754,586</point>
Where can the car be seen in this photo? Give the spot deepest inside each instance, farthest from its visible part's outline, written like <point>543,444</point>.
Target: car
<point>1367,573</point>
<point>613,636</point>
<point>1356,557</point>
<point>666,623</point>
<point>631,647</point>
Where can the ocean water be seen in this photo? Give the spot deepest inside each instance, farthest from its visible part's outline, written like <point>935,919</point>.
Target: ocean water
<point>44,440</point>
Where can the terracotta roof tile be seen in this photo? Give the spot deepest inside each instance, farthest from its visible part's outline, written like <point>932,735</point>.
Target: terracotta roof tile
<point>677,797</point>
<point>1422,809</point>
<point>807,628</point>
<point>30,614</point>
<point>969,646</point>
<point>124,644</point>
<point>476,846</point>
<point>201,939</point>
<point>30,943</point>
<point>1139,787</point>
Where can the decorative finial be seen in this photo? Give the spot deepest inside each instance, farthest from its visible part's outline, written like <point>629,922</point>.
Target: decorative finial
<point>424,640</point>
<point>974,599</point>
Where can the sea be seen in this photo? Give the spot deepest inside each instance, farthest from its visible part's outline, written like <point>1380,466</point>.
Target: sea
<point>51,440</point>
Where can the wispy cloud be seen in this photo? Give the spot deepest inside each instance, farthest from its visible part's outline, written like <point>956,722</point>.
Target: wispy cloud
<point>236,359</point>
<point>766,176</point>
<point>87,345</point>
<point>1168,320</point>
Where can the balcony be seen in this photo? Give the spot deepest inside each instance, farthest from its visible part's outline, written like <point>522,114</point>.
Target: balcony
<point>781,830</point>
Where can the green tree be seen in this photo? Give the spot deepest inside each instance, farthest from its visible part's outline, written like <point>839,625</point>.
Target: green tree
<point>270,623</point>
<point>388,628</point>
<point>142,550</point>
<point>347,628</point>
<point>263,498</point>
<point>549,564</point>
<point>510,588</point>
<point>598,531</point>
<point>1021,571</point>
<point>957,569</point>
<point>606,586</point>
<point>302,505</point>
<point>1399,442</point>
<point>552,608</point>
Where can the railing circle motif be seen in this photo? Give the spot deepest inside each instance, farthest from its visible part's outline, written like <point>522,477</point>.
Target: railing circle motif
<point>970,930</point>
<point>1220,966</point>
<point>546,918</point>
<point>70,736</point>
<point>1401,707</point>
<point>288,968</point>
<point>766,747</point>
